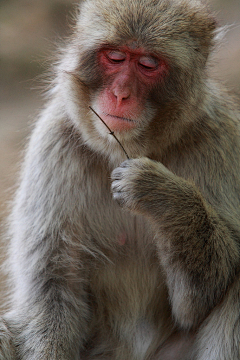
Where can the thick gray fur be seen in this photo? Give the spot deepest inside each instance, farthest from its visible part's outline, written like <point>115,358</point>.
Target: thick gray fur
<point>158,276</point>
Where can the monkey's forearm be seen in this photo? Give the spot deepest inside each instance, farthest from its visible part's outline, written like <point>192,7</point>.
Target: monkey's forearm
<point>195,246</point>
<point>200,258</point>
<point>53,324</point>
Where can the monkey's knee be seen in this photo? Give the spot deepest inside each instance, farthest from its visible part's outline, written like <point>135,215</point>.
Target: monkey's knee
<point>7,347</point>
<point>219,335</point>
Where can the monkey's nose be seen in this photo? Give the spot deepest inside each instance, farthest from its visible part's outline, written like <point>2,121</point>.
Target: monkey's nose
<point>121,94</point>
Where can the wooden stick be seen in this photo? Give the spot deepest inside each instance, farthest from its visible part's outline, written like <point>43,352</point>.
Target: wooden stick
<point>111,132</point>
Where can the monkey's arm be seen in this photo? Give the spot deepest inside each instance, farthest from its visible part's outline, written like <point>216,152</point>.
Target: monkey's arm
<point>49,310</point>
<point>197,249</point>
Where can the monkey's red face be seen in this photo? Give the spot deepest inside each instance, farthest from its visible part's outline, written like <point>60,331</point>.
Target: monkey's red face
<point>129,76</point>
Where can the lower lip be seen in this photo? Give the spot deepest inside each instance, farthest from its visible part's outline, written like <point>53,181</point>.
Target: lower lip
<point>119,124</point>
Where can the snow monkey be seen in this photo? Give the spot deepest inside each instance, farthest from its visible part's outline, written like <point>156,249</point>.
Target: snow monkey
<point>129,259</point>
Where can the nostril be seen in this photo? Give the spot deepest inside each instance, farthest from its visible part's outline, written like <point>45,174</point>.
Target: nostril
<point>122,94</point>
<point>126,96</point>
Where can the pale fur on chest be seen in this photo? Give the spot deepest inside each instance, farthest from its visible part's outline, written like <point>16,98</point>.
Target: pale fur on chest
<point>128,288</point>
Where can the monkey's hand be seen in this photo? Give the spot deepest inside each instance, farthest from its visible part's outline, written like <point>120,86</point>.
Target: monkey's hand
<point>148,187</point>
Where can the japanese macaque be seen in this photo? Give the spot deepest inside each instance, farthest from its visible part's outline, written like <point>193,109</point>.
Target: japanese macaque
<point>129,259</point>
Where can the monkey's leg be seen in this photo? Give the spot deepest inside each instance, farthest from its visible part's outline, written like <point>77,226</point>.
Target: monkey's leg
<point>7,347</point>
<point>219,335</point>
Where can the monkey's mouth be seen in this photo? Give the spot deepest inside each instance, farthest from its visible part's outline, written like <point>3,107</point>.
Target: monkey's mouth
<point>119,123</point>
<point>119,117</point>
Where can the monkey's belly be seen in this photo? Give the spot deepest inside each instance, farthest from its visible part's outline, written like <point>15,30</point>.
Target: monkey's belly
<point>130,305</point>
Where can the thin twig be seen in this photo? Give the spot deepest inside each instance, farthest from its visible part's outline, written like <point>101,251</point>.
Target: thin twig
<point>111,132</point>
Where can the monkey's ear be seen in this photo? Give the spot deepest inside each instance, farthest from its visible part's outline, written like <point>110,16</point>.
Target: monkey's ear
<point>202,29</point>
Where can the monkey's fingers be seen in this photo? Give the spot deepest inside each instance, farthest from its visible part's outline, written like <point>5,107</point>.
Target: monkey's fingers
<point>119,198</point>
<point>123,179</point>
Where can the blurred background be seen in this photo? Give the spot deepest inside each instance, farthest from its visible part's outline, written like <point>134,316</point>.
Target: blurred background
<point>29,32</point>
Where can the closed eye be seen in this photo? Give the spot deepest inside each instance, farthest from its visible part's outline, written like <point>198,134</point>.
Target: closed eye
<point>116,56</point>
<point>148,62</point>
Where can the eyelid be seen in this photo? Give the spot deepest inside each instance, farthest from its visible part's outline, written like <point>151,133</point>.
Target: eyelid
<point>148,61</point>
<point>116,55</point>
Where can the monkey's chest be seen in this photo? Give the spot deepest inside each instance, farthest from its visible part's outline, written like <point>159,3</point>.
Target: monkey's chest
<point>127,289</point>
<point>126,277</point>
<point>129,296</point>
<point>128,285</point>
